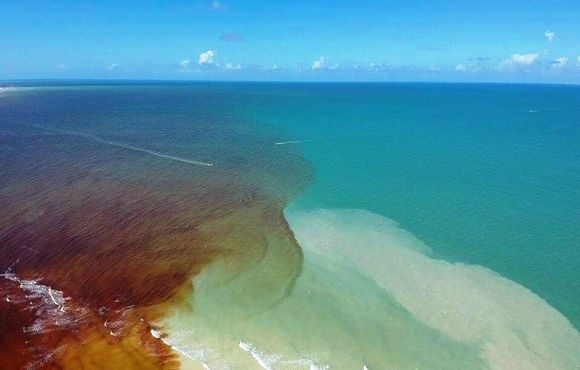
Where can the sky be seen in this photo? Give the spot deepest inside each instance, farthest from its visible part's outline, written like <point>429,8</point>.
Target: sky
<point>372,40</point>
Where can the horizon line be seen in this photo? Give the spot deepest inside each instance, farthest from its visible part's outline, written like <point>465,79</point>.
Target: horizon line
<point>145,80</point>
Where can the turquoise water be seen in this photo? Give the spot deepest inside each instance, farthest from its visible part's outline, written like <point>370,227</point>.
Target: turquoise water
<point>441,232</point>
<point>483,174</point>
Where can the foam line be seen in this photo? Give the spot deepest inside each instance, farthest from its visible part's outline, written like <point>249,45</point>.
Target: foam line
<point>260,358</point>
<point>157,335</point>
<point>58,299</point>
<point>271,361</point>
<point>191,351</point>
<point>36,290</point>
<point>48,304</point>
<point>6,90</point>
<point>126,146</point>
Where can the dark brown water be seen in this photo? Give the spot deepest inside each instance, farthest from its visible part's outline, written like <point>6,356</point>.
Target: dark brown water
<point>102,226</point>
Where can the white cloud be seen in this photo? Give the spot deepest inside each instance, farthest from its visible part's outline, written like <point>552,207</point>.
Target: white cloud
<point>550,35</point>
<point>207,57</point>
<point>518,60</point>
<point>319,64</point>
<point>578,62</point>
<point>273,67</point>
<point>559,63</point>
<point>524,58</point>
<point>184,65</point>
<point>378,66</point>
<point>233,67</point>
<point>471,67</point>
<point>112,66</point>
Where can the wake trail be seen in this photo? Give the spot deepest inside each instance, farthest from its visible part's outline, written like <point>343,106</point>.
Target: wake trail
<point>338,138</point>
<point>297,141</point>
<point>125,146</point>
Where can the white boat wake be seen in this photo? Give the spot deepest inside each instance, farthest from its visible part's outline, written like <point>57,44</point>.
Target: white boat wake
<point>125,146</point>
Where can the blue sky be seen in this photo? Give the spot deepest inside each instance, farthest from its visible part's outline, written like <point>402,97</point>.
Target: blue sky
<point>460,40</point>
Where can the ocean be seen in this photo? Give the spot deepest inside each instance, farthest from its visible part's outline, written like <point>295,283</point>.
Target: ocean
<point>290,226</point>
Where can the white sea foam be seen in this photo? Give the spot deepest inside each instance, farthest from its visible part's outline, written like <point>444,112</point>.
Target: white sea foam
<point>512,327</point>
<point>188,345</point>
<point>190,349</point>
<point>51,312</point>
<point>48,304</point>
<point>125,146</point>
<point>269,361</point>
<point>7,90</point>
<point>265,361</point>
